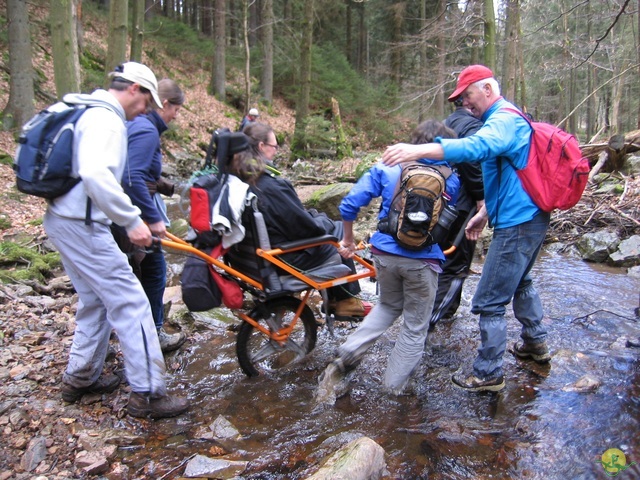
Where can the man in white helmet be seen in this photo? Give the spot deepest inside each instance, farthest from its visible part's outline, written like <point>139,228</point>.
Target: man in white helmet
<point>252,116</point>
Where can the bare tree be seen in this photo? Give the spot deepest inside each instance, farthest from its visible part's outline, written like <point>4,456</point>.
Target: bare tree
<point>19,107</point>
<point>267,50</point>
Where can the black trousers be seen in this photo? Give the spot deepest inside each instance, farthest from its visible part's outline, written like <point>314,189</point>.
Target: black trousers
<point>455,270</point>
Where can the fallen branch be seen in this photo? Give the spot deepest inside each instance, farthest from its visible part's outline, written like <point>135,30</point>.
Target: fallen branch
<point>602,158</point>
<point>615,209</point>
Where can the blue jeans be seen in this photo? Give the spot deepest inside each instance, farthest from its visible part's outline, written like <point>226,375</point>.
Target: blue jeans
<point>505,276</point>
<point>153,277</point>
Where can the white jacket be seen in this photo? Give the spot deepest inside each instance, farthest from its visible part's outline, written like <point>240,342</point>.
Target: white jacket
<point>99,158</point>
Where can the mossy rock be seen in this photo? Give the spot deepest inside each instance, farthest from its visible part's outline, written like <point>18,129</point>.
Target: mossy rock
<point>327,199</point>
<point>19,263</point>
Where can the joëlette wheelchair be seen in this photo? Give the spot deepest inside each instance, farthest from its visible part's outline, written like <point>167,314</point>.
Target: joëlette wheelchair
<point>279,329</point>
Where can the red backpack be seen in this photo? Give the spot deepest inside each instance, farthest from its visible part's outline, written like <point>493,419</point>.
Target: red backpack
<point>556,173</point>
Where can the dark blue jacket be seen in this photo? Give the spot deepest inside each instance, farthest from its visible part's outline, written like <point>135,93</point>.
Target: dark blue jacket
<point>144,163</point>
<point>464,124</point>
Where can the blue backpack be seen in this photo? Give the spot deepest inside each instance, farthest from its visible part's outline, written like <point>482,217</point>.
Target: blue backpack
<point>43,162</point>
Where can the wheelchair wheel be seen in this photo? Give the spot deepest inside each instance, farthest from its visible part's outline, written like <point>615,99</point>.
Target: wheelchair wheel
<point>258,353</point>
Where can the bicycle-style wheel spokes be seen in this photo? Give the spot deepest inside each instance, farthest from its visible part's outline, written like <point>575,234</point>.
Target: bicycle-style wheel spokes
<point>258,352</point>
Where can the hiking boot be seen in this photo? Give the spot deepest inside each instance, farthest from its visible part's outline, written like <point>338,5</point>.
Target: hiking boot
<point>170,342</point>
<point>142,405</point>
<point>352,307</point>
<point>104,384</point>
<point>539,352</point>
<point>475,384</point>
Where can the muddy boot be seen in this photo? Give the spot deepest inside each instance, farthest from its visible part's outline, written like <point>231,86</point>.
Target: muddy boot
<point>352,308</point>
<point>329,380</point>
<point>539,352</point>
<point>104,384</point>
<point>475,384</point>
<point>143,405</point>
<point>170,342</point>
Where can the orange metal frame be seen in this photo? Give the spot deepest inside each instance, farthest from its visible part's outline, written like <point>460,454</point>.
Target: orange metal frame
<point>271,255</point>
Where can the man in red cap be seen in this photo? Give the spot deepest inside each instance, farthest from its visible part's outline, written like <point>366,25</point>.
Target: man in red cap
<point>519,225</point>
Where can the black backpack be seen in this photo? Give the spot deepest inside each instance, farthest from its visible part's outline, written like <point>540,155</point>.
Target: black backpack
<point>43,162</point>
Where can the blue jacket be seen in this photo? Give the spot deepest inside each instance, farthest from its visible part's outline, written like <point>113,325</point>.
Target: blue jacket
<point>380,181</point>
<point>144,163</point>
<point>503,134</point>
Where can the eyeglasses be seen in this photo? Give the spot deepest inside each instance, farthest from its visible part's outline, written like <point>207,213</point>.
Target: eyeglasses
<point>274,146</point>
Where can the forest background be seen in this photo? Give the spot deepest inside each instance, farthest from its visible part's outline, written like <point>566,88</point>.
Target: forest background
<point>385,64</point>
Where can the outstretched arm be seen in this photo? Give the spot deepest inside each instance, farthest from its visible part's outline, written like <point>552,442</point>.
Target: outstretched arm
<point>406,152</point>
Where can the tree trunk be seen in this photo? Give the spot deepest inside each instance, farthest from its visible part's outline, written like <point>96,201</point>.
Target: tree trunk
<point>254,19</point>
<point>66,64</point>
<point>302,106</point>
<point>137,30</point>
<point>247,54</point>
<point>267,50</point>
<point>117,46</point>
<point>509,59</point>
<point>151,8</point>
<point>207,21</point>
<point>233,23</point>
<point>397,18</point>
<point>424,66</point>
<point>489,35</point>
<point>343,147</point>
<point>591,101</point>
<point>363,50</point>
<point>522,84</point>
<point>79,28</point>
<point>218,77</point>
<point>19,107</point>
<point>348,42</point>
<point>441,56</point>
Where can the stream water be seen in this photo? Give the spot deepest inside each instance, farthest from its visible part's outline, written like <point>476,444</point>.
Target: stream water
<point>549,422</point>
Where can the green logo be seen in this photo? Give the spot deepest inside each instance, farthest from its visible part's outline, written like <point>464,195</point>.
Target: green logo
<point>613,461</point>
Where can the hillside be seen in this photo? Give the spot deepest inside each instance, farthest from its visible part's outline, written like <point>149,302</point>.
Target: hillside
<point>200,115</point>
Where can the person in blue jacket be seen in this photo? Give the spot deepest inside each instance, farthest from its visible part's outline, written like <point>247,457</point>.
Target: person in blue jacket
<point>519,225</point>
<point>144,184</point>
<point>407,279</point>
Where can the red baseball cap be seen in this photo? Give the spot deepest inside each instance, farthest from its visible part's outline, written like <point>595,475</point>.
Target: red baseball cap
<point>469,76</point>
